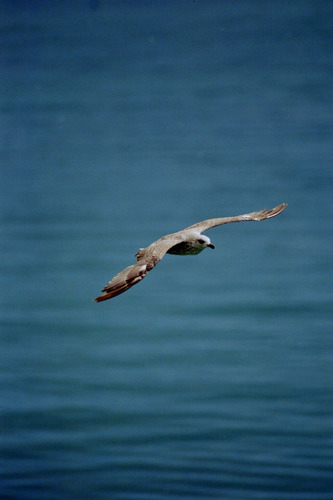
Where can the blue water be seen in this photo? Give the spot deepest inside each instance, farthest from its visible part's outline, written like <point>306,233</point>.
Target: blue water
<point>124,121</point>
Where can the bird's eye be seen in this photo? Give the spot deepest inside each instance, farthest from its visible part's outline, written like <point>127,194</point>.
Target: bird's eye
<point>201,241</point>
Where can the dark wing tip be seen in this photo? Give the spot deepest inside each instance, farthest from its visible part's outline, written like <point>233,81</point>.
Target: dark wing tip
<point>269,213</point>
<point>277,210</point>
<point>107,296</point>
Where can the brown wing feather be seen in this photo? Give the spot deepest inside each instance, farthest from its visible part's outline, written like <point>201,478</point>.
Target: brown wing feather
<point>252,216</point>
<point>147,258</point>
<point>123,281</point>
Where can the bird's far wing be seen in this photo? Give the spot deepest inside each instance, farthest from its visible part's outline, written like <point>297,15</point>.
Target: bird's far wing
<point>254,216</point>
<point>147,258</point>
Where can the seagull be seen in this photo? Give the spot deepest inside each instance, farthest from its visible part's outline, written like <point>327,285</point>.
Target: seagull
<point>189,241</point>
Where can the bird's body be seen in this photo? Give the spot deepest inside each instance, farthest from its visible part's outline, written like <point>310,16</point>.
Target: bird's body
<point>187,248</point>
<point>189,241</point>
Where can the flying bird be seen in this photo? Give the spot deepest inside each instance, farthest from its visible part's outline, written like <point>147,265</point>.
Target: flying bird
<point>189,241</point>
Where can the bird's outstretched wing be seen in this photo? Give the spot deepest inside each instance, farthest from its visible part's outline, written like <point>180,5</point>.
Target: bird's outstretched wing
<point>254,216</point>
<point>147,258</point>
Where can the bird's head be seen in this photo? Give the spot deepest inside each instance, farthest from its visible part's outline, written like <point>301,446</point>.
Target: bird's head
<point>204,242</point>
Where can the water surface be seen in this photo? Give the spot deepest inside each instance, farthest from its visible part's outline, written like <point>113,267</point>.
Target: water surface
<point>121,122</point>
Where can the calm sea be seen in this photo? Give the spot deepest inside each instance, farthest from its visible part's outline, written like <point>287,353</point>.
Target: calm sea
<point>124,121</point>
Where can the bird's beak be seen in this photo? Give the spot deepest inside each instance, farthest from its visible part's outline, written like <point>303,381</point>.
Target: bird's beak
<point>211,246</point>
